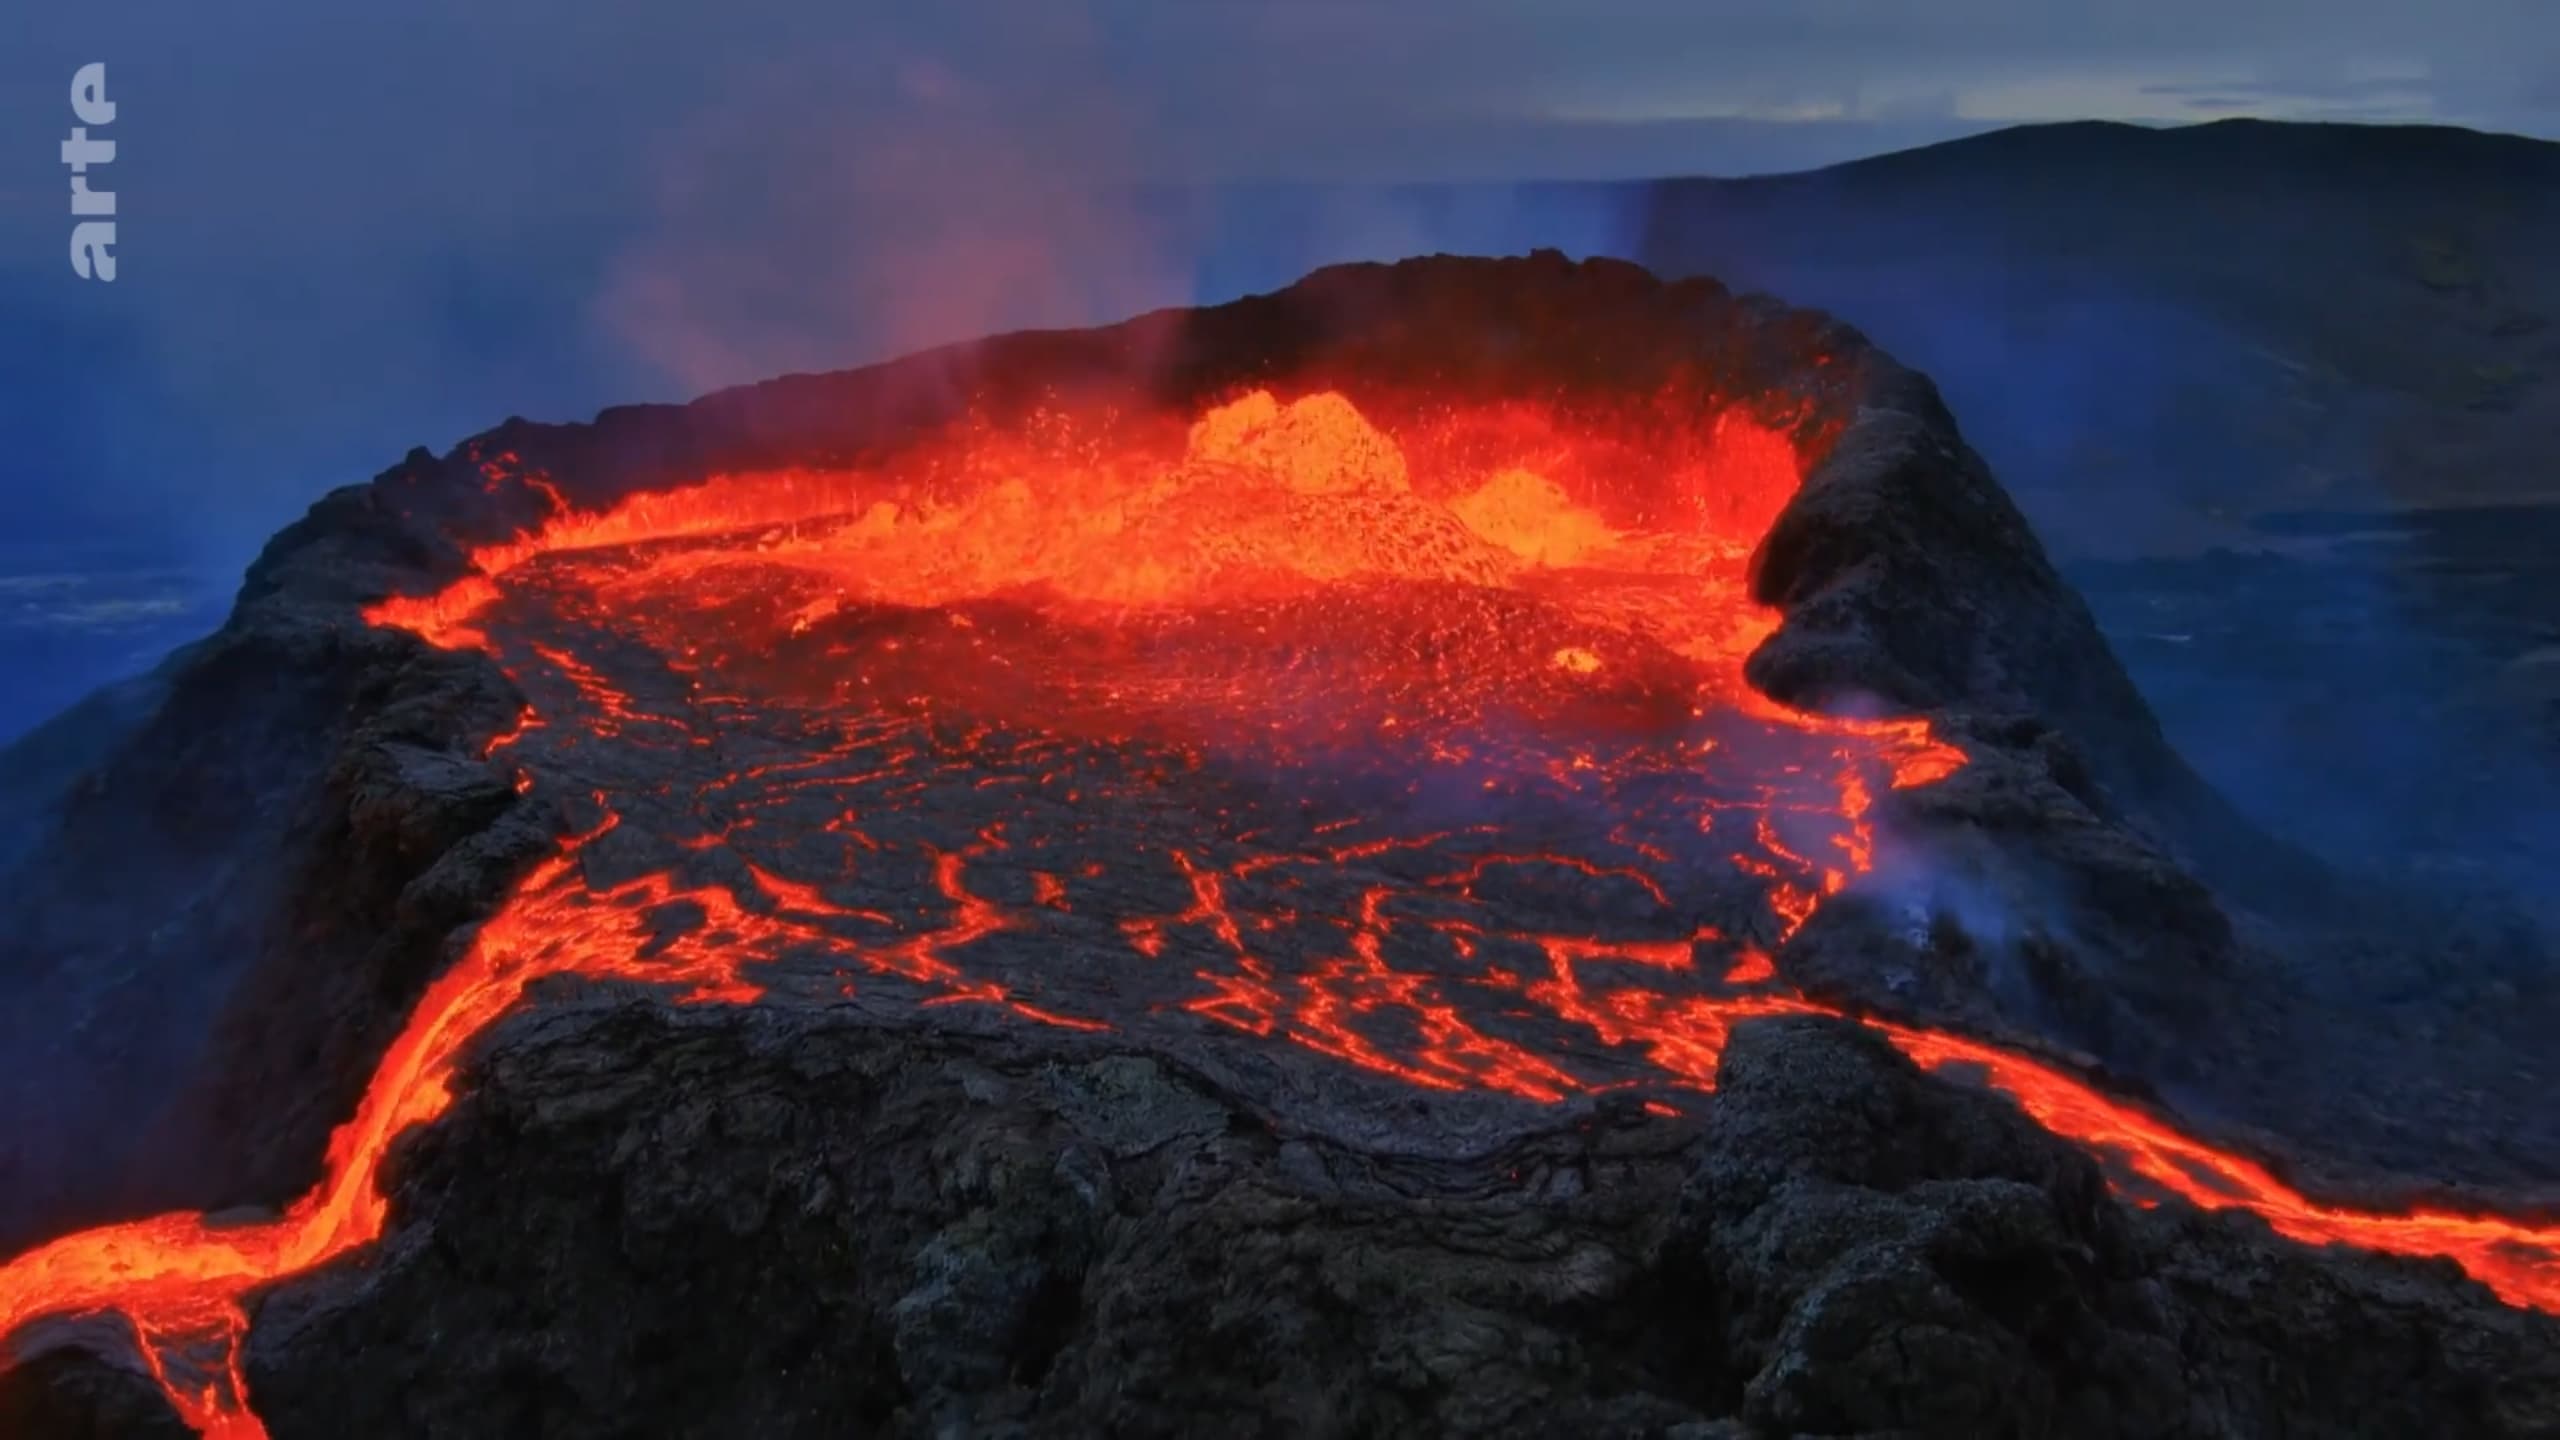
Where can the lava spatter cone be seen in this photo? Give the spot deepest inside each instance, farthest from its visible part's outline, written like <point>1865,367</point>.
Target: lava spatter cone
<point>1452,681</point>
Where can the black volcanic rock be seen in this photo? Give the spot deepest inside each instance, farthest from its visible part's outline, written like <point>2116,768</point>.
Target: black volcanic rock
<point>789,1220</point>
<point>72,1393</point>
<point>1902,1256</point>
<point>721,1222</point>
<point>285,845</point>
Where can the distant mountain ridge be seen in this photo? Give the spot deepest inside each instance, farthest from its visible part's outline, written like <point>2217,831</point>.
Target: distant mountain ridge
<point>2239,316</point>
<point>2243,144</point>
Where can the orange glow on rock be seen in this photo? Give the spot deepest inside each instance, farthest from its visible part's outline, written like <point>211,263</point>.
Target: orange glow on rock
<point>2521,1262</point>
<point>1280,579</point>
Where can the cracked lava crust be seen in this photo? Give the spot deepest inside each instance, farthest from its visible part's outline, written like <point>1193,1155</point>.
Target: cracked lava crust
<point>1408,730</point>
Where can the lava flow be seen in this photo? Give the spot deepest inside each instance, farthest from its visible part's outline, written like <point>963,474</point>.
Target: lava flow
<point>1420,744</point>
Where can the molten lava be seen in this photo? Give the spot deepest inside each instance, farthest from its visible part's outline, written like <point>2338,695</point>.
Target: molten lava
<point>1422,744</point>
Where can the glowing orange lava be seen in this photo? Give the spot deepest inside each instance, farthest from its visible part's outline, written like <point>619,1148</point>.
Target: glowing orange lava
<point>1531,832</point>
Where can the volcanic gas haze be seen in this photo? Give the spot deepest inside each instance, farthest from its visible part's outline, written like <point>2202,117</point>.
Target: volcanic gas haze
<point>1342,693</point>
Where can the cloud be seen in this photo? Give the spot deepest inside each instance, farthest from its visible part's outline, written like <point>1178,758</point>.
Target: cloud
<point>2377,87</point>
<point>2334,96</point>
<point>99,602</point>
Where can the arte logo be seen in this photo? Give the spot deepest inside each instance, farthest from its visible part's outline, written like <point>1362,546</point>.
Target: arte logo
<point>93,239</point>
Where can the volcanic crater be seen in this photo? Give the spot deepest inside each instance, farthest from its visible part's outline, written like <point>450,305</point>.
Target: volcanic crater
<point>984,861</point>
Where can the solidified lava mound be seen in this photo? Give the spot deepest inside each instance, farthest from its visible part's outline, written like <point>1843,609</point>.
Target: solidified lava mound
<point>1293,868</point>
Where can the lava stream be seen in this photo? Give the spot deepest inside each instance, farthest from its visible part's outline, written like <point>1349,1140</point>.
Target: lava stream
<point>1443,769</point>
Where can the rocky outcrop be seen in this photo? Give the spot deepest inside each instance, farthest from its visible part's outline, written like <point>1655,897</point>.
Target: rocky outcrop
<point>1896,1255</point>
<point>718,1222</point>
<point>262,849</point>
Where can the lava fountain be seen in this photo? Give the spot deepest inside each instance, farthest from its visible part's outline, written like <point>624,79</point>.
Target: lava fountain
<point>1409,730</point>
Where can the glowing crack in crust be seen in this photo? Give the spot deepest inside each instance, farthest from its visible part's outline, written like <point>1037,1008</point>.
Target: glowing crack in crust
<point>1428,752</point>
